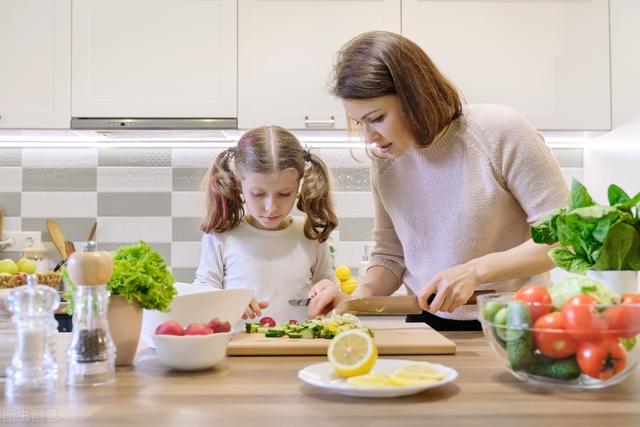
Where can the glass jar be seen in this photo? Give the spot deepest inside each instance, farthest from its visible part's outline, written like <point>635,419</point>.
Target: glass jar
<point>39,256</point>
<point>33,368</point>
<point>91,352</point>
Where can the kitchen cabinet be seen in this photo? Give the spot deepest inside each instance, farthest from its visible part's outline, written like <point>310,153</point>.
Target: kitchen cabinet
<point>625,61</point>
<point>548,59</point>
<point>142,58</point>
<point>35,76</point>
<point>286,50</point>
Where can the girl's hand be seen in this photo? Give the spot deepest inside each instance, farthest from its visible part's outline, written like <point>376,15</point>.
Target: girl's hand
<point>255,309</point>
<point>453,287</point>
<point>325,296</point>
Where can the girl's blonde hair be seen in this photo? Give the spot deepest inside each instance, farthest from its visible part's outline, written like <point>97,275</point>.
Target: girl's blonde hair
<point>268,150</point>
<point>381,63</point>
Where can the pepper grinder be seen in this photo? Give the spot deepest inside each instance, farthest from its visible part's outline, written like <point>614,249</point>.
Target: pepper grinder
<point>91,355</point>
<point>33,369</point>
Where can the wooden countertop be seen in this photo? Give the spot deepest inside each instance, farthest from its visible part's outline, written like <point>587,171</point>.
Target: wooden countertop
<point>261,391</point>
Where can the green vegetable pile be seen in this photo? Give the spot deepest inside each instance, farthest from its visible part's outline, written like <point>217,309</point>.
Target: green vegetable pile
<point>593,236</point>
<point>140,275</point>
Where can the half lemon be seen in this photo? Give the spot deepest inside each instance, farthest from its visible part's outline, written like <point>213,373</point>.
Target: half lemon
<point>352,353</point>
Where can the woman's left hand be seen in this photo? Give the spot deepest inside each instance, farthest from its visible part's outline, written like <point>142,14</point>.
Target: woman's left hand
<point>453,287</point>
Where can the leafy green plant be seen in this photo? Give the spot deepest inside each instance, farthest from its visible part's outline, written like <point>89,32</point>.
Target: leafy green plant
<point>140,275</point>
<point>593,236</point>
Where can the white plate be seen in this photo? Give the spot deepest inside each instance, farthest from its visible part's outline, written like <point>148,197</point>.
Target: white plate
<point>323,375</point>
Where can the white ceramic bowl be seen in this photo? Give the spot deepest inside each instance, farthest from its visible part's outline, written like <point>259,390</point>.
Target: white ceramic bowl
<point>191,352</point>
<point>197,304</point>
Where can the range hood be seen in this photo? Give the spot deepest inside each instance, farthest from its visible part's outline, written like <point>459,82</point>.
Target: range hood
<point>152,123</point>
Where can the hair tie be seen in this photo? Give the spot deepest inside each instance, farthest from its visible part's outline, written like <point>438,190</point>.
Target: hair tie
<point>306,154</point>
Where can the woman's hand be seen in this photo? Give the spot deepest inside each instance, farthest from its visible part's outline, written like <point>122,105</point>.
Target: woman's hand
<point>255,309</point>
<point>325,296</point>
<point>453,287</point>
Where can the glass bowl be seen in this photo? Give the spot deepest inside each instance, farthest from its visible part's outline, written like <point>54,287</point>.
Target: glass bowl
<point>582,345</point>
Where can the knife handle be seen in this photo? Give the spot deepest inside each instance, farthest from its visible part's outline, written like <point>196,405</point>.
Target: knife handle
<point>474,296</point>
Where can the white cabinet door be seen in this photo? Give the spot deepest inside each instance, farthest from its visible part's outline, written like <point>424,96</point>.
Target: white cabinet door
<point>35,63</point>
<point>154,58</point>
<point>286,50</point>
<point>548,59</point>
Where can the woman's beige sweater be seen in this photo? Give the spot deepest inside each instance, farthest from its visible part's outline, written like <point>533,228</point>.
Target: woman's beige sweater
<point>474,191</point>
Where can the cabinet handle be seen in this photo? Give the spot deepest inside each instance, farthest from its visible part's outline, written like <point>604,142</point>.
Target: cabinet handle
<point>319,123</point>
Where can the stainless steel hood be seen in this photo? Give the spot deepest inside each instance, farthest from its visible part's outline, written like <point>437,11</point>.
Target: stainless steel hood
<point>152,123</point>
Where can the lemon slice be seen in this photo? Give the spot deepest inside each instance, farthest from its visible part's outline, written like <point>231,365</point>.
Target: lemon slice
<point>375,380</point>
<point>352,353</point>
<point>420,370</point>
<point>416,374</point>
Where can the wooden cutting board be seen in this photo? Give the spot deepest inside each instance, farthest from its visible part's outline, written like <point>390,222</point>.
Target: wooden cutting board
<point>390,338</point>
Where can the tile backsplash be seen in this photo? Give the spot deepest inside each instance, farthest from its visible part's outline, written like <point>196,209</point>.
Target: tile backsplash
<point>153,194</point>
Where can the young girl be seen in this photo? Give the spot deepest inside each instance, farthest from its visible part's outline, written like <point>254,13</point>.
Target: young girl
<point>250,240</point>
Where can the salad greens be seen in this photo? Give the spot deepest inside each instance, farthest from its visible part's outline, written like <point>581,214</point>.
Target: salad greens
<point>140,275</point>
<point>593,236</point>
<point>572,286</point>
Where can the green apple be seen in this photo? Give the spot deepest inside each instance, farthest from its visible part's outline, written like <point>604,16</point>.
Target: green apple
<point>8,266</point>
<point>27,265</point>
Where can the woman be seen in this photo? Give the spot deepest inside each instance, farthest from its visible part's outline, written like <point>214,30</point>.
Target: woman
<point>455,187</point>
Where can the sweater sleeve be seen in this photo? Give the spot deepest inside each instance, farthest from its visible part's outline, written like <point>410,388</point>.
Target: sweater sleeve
<point>529,169</point>
<point>322,268</point>
<point>387,251</point>
<point>210,271</point>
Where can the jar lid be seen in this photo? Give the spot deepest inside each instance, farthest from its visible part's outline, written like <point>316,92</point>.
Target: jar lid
<point>90,267</point>
<point>35,251</point>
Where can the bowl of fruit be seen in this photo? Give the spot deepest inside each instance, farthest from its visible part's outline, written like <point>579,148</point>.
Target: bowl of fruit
<point>197,304</point>
<point>196,347</point>
<point>575,334</point>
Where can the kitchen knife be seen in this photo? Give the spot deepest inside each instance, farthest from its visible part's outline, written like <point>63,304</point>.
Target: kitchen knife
<point>392,305</point>
<point>384,305</point>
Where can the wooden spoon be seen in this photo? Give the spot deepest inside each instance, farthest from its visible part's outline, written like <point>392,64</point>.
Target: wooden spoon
<point>57,237</point>
<point>70,247</point>
<point>92,233</point>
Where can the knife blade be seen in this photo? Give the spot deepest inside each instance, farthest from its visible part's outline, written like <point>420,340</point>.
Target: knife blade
<point>393,305</point>
<point>300,302</point>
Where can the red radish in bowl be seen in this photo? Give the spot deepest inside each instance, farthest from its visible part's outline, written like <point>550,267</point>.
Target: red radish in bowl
<point>198,329</point>
<point>170,327</point>
<point>219,325</point>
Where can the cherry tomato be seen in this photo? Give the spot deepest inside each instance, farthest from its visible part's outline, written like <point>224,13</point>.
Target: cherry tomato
<point>583,320</point>
<point>267,321</point>
<point>537,298</point>
<point>550,337</point>
<point>602,359</point>
<point>293,322</point>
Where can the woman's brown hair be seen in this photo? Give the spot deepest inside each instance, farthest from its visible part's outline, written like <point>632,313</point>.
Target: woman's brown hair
<point>381,63</point>
<point>267,150</point>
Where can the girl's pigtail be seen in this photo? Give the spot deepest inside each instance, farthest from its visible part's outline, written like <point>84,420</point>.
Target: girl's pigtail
<point>224,204</point>
<point>316,201</point>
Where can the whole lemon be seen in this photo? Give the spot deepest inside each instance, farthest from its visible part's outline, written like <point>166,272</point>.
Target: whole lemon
<point>343,273</point>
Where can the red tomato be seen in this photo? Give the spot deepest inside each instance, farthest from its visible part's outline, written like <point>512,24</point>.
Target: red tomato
<point>537,298</point>
<point>550,337</point>
<point>602,359</point>
<point>624,319</point>
<point>583,320</point>
<point>631,299</point>
<point>267,321</point>
<point>293,322</point>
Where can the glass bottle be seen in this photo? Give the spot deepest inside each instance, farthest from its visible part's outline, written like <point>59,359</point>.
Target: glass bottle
<point>91,353</point>
<point>33,369</point>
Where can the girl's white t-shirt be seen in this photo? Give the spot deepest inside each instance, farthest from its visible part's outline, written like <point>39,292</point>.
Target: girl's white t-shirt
<point>277,265</point>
